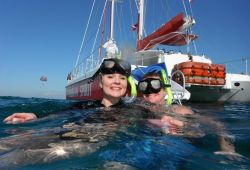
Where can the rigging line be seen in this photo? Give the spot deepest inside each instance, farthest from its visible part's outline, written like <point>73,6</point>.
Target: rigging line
<point>184,7</point>
<point>95,50</point>
<point>195,49</point>
<point>167,9</point>
<point>132,20</point>
<point>136,5</point>
<point>162,7</point>
<point>90,15</point>
<point>102,36</point>
<point>192,15</point>
<point>120,18</point>
<point>240,59</point>
<point>88,40</point>
<point>188,45</point>
<point>98,31</point>
<point>191,10</point>
<point>131,12</point>
<point>145,11</point>
<point>122,23</point>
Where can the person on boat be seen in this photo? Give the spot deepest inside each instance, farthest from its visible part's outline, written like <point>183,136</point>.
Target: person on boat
<point>111,48</point>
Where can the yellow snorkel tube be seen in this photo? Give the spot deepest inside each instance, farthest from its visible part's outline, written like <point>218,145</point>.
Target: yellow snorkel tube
<point>132,86</point>
<point>168,90</point>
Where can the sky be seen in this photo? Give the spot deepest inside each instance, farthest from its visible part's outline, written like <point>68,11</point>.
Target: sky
<point>43,37</point>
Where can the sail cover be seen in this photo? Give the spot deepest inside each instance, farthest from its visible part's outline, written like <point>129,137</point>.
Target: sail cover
<point>169,34</point>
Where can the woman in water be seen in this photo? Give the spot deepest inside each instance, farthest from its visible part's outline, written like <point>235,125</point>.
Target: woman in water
<point>113,74</point>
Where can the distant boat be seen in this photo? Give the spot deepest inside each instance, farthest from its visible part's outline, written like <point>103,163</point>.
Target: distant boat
<point>206,81</point>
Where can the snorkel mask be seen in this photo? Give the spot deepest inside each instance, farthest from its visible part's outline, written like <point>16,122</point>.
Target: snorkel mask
<point>114,65</point>
<point>111,66</point>
<point>150,85</point>
<point>154,85</point>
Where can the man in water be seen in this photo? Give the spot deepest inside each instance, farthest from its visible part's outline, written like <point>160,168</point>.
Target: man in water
<point>154,91</point>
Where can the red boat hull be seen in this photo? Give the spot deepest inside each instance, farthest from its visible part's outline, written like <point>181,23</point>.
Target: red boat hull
<point>83,90</point>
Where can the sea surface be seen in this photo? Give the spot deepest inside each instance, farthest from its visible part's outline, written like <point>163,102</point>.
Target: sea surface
<point>96,138</point>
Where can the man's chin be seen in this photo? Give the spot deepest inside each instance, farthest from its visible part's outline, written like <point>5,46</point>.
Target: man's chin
<point>151,99</point>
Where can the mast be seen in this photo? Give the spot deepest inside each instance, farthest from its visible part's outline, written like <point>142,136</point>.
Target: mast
<point>112,19</point>
<point>141,19</point>
<point>110,45</point>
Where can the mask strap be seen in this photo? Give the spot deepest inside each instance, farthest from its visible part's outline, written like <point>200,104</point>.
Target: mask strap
<point>168,90</point>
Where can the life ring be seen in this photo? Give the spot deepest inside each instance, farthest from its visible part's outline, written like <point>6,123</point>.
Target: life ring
<point>218,74</point>
<point>190,64</point>
<point>195,72</point>
<point>221,81</point>
<point>205,66</point>
<point>217,81</point>
<point>205,80</point>
<point>197,80</point>
<point>221,67</point>
<point>217,67</point>
<point>184,65</point>
<point>189,79</point>
<point>206,73</point>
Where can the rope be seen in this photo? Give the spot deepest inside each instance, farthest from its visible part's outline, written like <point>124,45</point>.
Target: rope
<point>192,15</point>
<point>191,10</point>
<point>83,39</point>
<point>184,7</point>
<point>98,30</point>
<point>240,59</point>
<point>103,28</point>
<point>131,14</point>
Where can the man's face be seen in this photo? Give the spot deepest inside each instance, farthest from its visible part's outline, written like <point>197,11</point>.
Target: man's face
<point>156,98</point>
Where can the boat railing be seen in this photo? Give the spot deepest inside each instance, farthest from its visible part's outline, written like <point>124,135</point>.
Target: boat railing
<point>179,90</point>
<point>183,77</point>
<point>84,69</point>
<point>230,65</point>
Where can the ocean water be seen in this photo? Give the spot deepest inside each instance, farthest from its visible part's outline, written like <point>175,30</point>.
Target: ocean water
<point>95,139</point>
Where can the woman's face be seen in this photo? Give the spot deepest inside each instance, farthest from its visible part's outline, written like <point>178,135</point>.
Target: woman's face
<point>156,98</point>
<point>114,85</point>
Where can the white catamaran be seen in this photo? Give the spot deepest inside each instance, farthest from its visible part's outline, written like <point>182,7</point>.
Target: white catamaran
<point>206,81</point>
